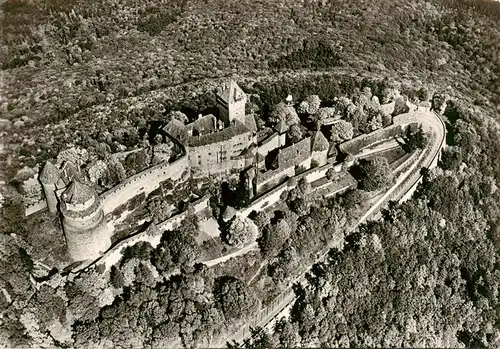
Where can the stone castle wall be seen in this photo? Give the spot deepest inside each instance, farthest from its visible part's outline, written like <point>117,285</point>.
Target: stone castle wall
<point>355,145</point>
<point>273,196</point>
<point>208,158</point>
<point>83,222</point>
<point>269,144</point>
<point>86,239</point>
<point>152,235</point>
<point>269,179</point>
<point>35,207</point>
<point>50,196</point>
<point>144,182</point>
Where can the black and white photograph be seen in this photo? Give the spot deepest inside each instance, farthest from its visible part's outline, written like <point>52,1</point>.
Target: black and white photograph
<point>249,174</point>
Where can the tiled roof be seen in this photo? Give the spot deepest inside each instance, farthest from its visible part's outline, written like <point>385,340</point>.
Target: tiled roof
<point>249,153</point>
<point>176,130</point>
<point>294,154</point>
<point>50,174</point>
<point>71,172</point>
<point>230,92</point>
<point>281,127</point>
<point>204,125</point>
<point>262,135</point>
<point>78,193</point>
<point>320,143</point>
<point>250,122</point>
<point>235,129</point>
<point>332,150</point>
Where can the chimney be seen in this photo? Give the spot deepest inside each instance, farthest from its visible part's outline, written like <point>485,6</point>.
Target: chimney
<point>199,116</point>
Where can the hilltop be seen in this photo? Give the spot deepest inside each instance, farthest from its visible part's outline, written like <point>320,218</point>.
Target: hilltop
<point>72,70</point>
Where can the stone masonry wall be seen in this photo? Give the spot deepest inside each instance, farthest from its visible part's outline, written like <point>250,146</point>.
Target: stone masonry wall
<point>152,234</point>
<point>356,144</point>
<point>36,207</point>
<point>269,144</point>
<point>143,182</point>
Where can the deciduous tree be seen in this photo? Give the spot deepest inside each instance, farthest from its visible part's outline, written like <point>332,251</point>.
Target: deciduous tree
<point>234,298</point>
<point>241,231</point>
<point>342,131</point>
<point>375,174</point>
<point>285,113</point>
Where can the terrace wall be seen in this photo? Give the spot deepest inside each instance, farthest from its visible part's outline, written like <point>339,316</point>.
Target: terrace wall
<point>355,145</point>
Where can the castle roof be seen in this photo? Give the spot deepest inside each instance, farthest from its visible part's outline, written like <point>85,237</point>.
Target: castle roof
<point>230,92</point>
<point>235,129</point>
<point>176,130</point>
<point>250,122</point>
<point>78,193</point>
<point>263,134</point>
<point>71,172</point>
<point>319,142</point>
<point>205,124</point>
<point>281,127</point>
<point>332,150</point>
<point>50,174</point>
<point>294,154</point>
<point>249,153</point>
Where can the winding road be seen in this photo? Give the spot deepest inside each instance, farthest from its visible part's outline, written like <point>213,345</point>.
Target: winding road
<point>435,128</point>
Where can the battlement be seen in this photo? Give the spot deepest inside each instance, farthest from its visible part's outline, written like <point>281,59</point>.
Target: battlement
<point>144,182</point>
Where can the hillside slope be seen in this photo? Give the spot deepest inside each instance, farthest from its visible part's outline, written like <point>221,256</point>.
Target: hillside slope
<point>67,60</point>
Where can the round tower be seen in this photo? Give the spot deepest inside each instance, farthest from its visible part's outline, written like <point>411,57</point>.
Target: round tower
<point>49,177</point>
<point>85,229</point>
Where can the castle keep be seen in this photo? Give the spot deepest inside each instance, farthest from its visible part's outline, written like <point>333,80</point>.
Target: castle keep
<point>85,229</point>
<point>214,146</point>
<point>81,212</point>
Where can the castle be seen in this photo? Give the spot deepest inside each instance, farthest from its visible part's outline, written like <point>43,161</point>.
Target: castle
<point>228,145</point>
<point>232,144</point>
<point>66,191</point>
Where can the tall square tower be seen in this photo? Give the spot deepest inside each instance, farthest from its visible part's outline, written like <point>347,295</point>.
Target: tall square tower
<point>231,102</point>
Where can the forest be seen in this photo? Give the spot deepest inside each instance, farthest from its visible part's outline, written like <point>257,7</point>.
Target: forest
<point>426,275</point>
<point>73,69</point>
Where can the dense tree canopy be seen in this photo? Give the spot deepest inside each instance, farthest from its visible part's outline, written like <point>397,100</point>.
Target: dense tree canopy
<point>285,113</point>
<point>95,74</point>
<point>374,173</point>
